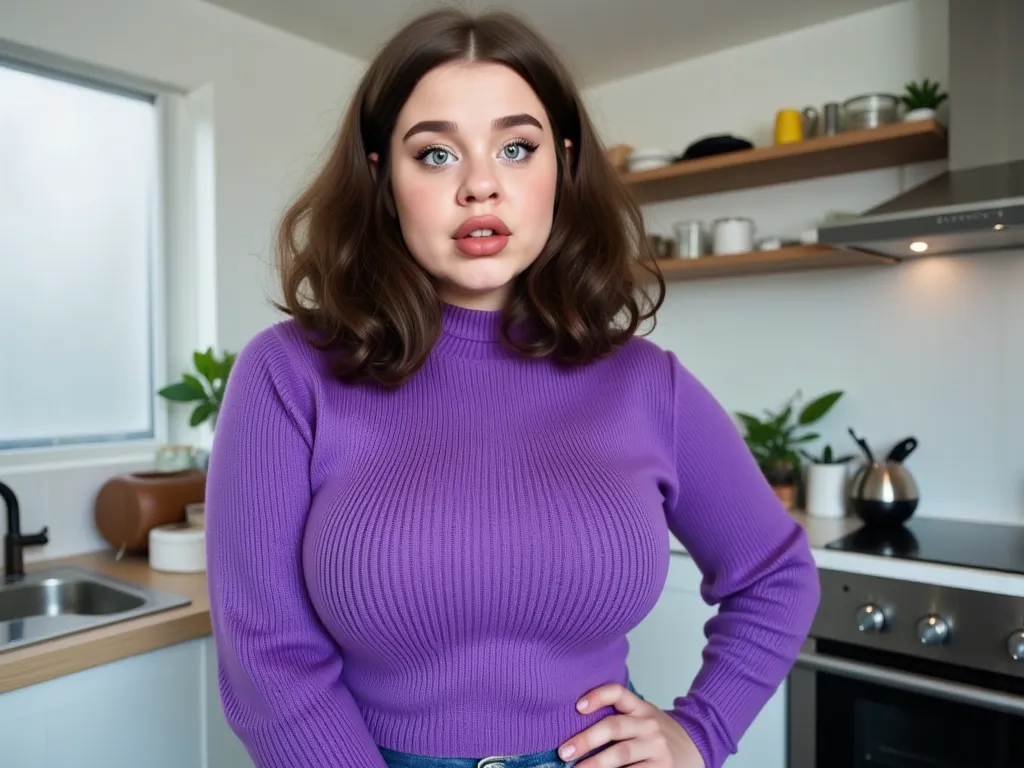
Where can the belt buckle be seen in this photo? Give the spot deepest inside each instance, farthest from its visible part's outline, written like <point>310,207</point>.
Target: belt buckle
<point>495,761</point>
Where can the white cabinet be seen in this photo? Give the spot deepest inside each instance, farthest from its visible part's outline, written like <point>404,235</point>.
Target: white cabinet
<point>223,749</point>
<point>157,709</point>
<point>665,656</point>
<point>143,710</point>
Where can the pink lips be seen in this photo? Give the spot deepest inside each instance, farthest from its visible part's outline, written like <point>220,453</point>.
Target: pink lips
<point>482,246</point>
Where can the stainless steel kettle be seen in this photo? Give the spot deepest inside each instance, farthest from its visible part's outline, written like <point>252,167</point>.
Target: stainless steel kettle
<point>884,492</point>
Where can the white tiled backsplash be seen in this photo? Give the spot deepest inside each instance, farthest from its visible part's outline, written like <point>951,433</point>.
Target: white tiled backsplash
<point>62,500</point>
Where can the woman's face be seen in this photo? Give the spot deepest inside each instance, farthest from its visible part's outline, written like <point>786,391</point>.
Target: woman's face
<point>473,176</point>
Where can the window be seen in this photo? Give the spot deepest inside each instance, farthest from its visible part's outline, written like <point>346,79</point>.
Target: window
<point>80,240</point>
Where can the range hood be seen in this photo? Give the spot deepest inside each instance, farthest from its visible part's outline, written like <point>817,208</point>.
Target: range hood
<point>978,203</point>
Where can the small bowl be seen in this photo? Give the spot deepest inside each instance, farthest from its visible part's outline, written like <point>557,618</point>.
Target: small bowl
<point>649,159</point>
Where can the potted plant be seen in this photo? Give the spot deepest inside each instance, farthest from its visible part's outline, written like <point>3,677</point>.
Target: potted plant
<point>776,438</point>
<point>205,389</point>
<point>922,99</point>
<point>826,483</point>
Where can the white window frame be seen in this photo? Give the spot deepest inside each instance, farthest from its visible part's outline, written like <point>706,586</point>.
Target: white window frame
<point>182,268</point>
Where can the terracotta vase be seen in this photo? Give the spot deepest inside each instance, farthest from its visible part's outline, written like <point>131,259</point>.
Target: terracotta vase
<point>786,494</point>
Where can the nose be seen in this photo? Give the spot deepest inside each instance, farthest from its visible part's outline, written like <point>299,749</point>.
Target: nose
<point>480,183</point>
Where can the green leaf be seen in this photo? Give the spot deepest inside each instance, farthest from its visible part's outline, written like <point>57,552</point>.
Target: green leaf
<point>818,408</point>
<point>750,423</point>
<point>195,384</point>
<point>780,420</point>
<point>806,438</point>
<point>202,412</point>
<point>205,364</point>
<point>181,392</point>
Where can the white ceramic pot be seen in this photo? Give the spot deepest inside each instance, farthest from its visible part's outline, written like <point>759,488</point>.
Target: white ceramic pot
<point>732,235</point>
<point>919,114</point>
<point>826,490</point>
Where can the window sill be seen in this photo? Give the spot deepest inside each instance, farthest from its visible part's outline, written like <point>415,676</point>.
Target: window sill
<point>76,456</point>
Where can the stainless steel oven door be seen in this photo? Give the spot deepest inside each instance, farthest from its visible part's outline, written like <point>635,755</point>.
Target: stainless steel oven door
<point>886,716</point>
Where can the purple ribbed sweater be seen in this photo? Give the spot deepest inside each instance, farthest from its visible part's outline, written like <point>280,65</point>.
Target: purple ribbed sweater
<point>445,568</point>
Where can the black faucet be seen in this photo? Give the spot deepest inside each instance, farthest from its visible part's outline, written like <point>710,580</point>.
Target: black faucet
<point>14,539</point>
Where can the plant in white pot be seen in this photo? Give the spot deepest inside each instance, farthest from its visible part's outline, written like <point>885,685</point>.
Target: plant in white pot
<point>826,483</point>
<point>776,438</point>
<point>922,99</point>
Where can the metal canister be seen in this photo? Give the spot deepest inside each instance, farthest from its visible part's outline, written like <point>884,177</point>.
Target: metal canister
<point>691,239</point>
<point>831,127</point>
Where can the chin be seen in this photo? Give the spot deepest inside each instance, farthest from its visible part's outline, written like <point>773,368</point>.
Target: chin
<point>485,274</point>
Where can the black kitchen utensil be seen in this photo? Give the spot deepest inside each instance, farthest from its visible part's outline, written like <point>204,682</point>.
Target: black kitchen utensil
<point>902,449</point>
<point>862,443</point>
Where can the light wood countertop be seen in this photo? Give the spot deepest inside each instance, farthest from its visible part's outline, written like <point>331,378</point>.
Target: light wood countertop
<point>31,664</point>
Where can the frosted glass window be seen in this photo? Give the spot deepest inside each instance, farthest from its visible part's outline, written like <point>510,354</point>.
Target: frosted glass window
<point>78,188</point>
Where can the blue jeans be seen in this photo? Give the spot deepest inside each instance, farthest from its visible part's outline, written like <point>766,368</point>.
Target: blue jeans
<point>548,759</point>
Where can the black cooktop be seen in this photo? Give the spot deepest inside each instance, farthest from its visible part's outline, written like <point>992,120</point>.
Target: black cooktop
<point>953,542</point>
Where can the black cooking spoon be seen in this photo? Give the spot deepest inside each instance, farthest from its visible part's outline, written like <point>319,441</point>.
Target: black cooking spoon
<point>862,443</point>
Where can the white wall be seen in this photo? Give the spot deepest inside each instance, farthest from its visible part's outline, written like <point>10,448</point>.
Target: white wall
<point>932,348</point>
<point>276,101</point>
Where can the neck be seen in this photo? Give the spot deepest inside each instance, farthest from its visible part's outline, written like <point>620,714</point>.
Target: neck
<point>484,301</point>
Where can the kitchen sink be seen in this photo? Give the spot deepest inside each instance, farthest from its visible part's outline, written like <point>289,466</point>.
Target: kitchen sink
<point>47,604</point>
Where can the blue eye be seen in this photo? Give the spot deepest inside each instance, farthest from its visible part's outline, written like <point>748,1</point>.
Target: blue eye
<point>518,151</point>
<point>439,155</point>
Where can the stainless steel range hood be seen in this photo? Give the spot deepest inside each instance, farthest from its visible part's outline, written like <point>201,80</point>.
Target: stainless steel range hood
<point>978,203</point>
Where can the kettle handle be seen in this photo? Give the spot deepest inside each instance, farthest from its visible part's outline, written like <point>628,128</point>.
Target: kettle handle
<point>902,449</point>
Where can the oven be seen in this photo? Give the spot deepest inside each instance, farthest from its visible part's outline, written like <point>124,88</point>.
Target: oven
<point>900,674</point>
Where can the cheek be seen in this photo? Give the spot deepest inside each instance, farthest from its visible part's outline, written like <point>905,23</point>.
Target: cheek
<point>537,200</point>
<point>419,202</point>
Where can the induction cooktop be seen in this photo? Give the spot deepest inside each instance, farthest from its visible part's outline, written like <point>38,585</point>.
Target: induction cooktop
<point>991,546</point>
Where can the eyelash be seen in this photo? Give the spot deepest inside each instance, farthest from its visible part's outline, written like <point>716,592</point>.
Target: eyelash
<point>529,146</point>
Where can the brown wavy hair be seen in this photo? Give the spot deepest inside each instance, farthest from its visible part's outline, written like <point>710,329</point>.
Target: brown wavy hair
<point>347,274</point>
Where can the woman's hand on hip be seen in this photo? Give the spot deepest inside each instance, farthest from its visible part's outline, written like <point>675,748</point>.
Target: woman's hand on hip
<point>645,735</point>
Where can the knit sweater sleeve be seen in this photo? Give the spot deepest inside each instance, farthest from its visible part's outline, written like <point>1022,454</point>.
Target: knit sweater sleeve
<point>757,569</point>
<point>279,671</point>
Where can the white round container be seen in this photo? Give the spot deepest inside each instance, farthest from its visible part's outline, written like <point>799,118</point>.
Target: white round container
<point>177,548</point>
<point>649,159</point>
<point>732,235</point>
<point>826,490</point>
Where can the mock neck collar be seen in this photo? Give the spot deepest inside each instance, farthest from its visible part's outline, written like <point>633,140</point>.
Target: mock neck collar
<point>473,333</point>
<point>471,324</point>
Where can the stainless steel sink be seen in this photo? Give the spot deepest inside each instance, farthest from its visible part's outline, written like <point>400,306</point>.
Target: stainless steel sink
<point>52,603</point>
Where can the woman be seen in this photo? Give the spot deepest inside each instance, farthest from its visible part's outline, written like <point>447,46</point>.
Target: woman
<point>441,491</point>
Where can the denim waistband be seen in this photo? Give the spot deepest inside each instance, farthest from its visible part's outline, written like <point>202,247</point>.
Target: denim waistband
<point>546,759</point>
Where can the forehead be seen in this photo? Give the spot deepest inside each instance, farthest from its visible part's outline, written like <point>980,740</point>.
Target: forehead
<point>470,94</point>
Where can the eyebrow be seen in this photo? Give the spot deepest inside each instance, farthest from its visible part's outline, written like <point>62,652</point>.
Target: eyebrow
<point>446,126</point>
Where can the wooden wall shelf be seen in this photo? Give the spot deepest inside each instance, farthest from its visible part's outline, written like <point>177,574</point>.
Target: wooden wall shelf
<point>796,258</point>
<point>887,145</point>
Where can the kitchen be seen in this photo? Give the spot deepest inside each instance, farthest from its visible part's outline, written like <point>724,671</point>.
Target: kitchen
<point>944,329</point>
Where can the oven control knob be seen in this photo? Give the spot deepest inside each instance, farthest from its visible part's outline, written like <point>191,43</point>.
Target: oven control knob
<point>1015,645</point>
<point>870,618</point>
<point>933,629</point>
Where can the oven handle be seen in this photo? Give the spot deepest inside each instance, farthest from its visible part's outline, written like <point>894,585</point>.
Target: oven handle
<point>967,694</point>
